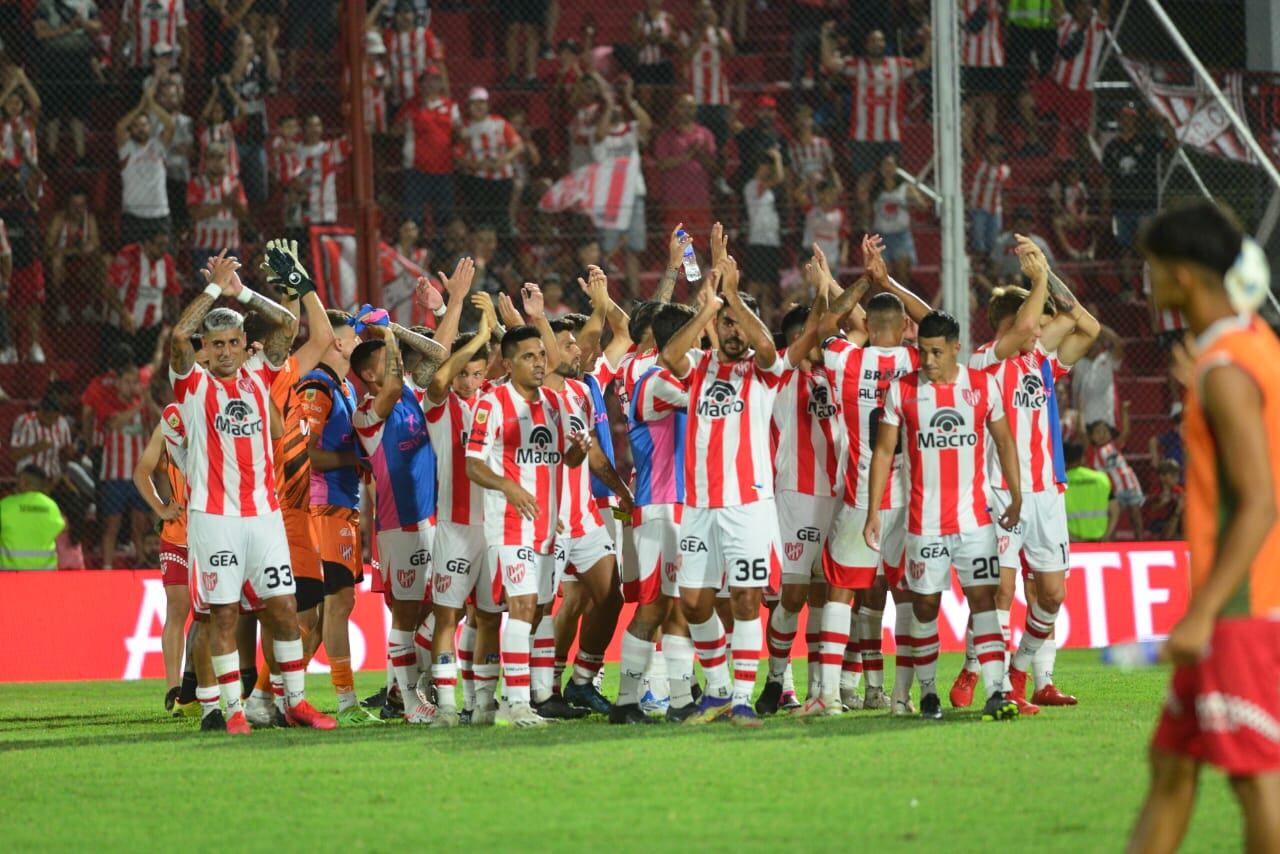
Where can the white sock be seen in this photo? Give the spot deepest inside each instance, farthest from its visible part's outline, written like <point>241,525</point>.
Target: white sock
<point>1038,629</point>
<point>542,660</point>
<point>422,643</point>
<point>466,665</point>
<point>636,654</point>
<point>748,636</point>
<point>1046,656</point>
<point>678,653</point>
<point>486,676</point>
<point>515,661</point>
<point>925,655</point>
<point>1007,634</point>
<point>656,674</point>
<point>227,669</point>
<point>834,638</point>
<point>988,643</point>
<point>782,634</point>
<point>709,642</point>
<point>904,661</point>
<point>405,661</point>
<point>870,622</point>
<point>444,675</point>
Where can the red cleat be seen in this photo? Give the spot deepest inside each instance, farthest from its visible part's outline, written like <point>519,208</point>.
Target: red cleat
<point>1018,681</point>
<point>962,689</point>
<point>1049,695</point>
<point>1024,706</point>
<point>237,724</point>
<point>305,714</point>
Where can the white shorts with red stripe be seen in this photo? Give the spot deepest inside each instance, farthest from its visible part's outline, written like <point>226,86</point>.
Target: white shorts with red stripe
<point>849,563</point>
<point>657,541</point>
<point>235,558</point>
<point>580,554</point>
<point>737,546</point>
<point>972,553</point>
<point>1040,535</point>
<point>804,522</point>
<point>457,561</point>
<point>511,571</point>
<point>404,561</point>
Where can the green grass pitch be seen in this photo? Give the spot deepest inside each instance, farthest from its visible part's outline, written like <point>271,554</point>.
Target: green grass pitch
<point>98,766</point>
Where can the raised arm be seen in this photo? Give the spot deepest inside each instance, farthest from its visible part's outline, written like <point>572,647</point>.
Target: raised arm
<point>531,294</point>
<point>438,388</point>
<point>282,325</point>
<point>676,353</point>
<point>1078,330</point>
<point>1027,321</point>
<point>393,372</point>
<point>873,261</point>
<point>181,354</point>
<point>433,353</point>
<point>603,308</point>
<point>758,335</point>
<point>457,287</point>
<point>319,333</point>
<point>675,257</point>
<point>832,61</point>
<point>122,126</point>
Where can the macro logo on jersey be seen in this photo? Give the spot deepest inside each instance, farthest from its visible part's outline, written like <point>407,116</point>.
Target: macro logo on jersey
<point>947,429</point>
<point>1030,393</point>
<point>719,400</point>
<point>820,403</point>
<point>541,450</point>
<point>237,419</point>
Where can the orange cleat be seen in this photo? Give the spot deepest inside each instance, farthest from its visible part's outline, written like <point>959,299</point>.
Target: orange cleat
<point>305,714</point>
<point>238,724</point>
<point>1049,695</point>
<point>962,689</point>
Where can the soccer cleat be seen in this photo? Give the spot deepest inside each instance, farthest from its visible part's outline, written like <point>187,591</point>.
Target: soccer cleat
<point>187,710</point>
<point>171,699</point>
<point>962,689</point>
<point>790,702</point>
<point>258,712</point>
<point>1017,684</point>
<point>745,716</point>
<point>587,696</point>
<point>213,722</point>
<point>850,698</point>
<point>999,708</point>
<point>426,689</point>
<point>695,690</point>
<point>520,715</point>
<point>902,708</point>
<point>278,720</point>
<point>357,715</point>
<point>651,705</point>
<point>875,698</point>
<point>679,714</point>
<point>931,707</point>
<point>305,714</point>
<point>1049,695</point>
<point>629,713</point>
<point>392,707</point>
<point>554,708</point>
<point>445,719</point>
<point>1025,707</point>
<point>710,709</point>
<point>483,717</point>
<point>376,701</point>
<point>238,725</point>
<point>420,713</point>
<point>770,697</point>
<point>816,707</point>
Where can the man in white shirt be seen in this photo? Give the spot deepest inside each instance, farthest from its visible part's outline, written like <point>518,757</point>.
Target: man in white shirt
<point>144,197</point>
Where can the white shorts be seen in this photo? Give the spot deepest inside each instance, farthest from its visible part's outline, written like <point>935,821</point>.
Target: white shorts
<point>973,554</point>
<point>804,521</point>
<point>737,546</point>
<point>850,563</point>
<point>1041,532</point>
<point>239,559</point>
<point>457,559</point>
<point>404,561</point>
<point>511,571</point>
<point>574,554</point>
<point>657,539</point>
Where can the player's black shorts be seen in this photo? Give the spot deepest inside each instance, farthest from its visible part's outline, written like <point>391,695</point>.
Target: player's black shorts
<point>338,578</point>
<point>309,592</point>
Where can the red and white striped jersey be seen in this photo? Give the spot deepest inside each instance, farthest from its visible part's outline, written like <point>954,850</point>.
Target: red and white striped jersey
<point>320,165</point>
<point>1076,74</point>
<point>224,133</point>
<point>284,163</point>
<point>806,435</point>
<point>70,237</point>
<point>149,22</point>
<point>375,97</point>
<point>18,143</point>
<point>860,378</point>
<point>984,48</point>
<point>144,284</point>
<point>1108,458</point>
<point>174,430</point>
<point>630,370</point>
<point>1026,404</point>
<point>660,27</point>
<point>29,430</point>
<point>943,431</point>
<point>578,509</point>
<point>122,447</point>
<point>490,138</point>
<point>222,229</point>
<point>408,53</point>
<point>230,469</point>
<point>525,442</point>
<point>458,500</point>
<point>812,159</point>
<point>877,91</point>
<point>727,458</point>
<point>1166,319</point>
<point>986,186</point>
<point>707,75</point>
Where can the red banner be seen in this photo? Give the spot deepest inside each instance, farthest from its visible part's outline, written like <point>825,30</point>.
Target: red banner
<point>1115,593</point>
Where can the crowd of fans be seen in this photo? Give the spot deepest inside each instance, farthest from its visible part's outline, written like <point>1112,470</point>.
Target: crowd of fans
<point>212,147</point>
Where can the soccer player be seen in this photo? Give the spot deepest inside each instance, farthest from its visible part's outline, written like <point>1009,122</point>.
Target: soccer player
<point>1224,696</point>
<point>235,529</point>
<point>941,414</point>
<point>657,416</point>
<point>730,523</point>
<point>519,440</point>
<point>329,401</point>
<point>392,432</point>
<point>1033,348</point>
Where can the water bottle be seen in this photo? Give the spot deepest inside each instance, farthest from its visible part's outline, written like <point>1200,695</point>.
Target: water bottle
<point>692,272</point>
<point>1132,656</point>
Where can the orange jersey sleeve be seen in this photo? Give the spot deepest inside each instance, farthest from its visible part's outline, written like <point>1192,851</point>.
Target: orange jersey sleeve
<point>293,466</point>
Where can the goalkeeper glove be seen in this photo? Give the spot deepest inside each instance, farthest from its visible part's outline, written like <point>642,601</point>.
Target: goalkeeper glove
<point>286,271</point>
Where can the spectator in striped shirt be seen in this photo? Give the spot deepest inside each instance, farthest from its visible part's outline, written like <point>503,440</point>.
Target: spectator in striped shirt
<point>65,32</point>
<point>490,146</point>
<point>705,50</point>
<point>43,437</point>
<point>218,205</point>
<point>1106,454</point>
<point>141,292</point>
<point>143,25</point>
<point>410,46</point>
<point>117,418</point>
<point>812,161</point>
<point>986,196</point>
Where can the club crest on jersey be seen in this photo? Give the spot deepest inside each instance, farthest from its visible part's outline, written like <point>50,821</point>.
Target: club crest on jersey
<point>971,396</point>
<point>482,415</point>
<point>947,429</point>
<point>210,580</point>
<point>1030,392</point>
<point>346,552</point>
<point>820,405</point>
<point>515,572</point>
<point>406,577</point>
<point>237,419</point>
<point>1004,543</point>
<point>793,551</point>
<point>441,582</point>
<point>719,400</point>
<point>540,450</point>
<point>245,385</point>
<point>671,569</point>
<point>175,421</point>
<point>915,568</point>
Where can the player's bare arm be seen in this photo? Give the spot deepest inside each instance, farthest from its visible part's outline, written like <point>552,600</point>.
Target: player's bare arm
<point>676,353</point>
<point>1007,452</point>
<point>675,257</point>
<point>433,353</point>
<point>457,287</point>
<point>1233,404</point>
<point>526,504</point>
<point>393,371</point>
<point>758,335</point>
<point>580,445</point>
<point>531,296</point>
<point>603,469</point>
<point>319,334</point>
<point>144,479</point>
<point>1074,329</point>
<point>182,356</point>
<point>876,269</point>
<point>1027,321</point>
<point>604,308</point>
<point>438,388</point>
<point>881,463</point>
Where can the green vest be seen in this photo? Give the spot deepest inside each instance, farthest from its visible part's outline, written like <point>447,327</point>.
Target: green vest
<point>29,524</point>
<point>1031,14</point>
<point>1088,494</point>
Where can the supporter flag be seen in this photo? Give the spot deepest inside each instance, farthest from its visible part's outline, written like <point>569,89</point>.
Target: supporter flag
<point>605,191</point>
<point>333,267</point>
<point>1197,119</point>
